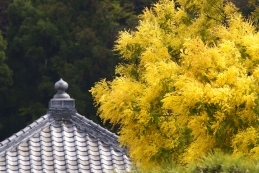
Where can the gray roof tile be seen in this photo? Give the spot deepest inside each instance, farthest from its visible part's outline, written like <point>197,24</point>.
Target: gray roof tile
<point>12,167</point>
<point>57,136</point>
<point>81,145</point>
<point>84,158</point>
<point>46,143</point>
<point>48,163</point>
<point>35,140</point>
<point>60,158</point>
<point>24,144</point>
<point>82,153</point>
<point>33,124</point>
<point>4,142</point>
<point>46,130</point>
<point>36,149</point>
<point>11,154</point>
<point>19,133</point>
<point>24,167</point>
<point>60,167</point>
<point>71,158</point>
<point>57,144</point>
<point>72,168</point>
<point>71,154</point>
<point>71,162</point>
<point>84,167</point>
<point>48,146</point>
<point>69,139</point>
<point>2,159</point>
<point>60,162</point>
<point>45,135</point>
<point>107,162</point>
<point>72,144</point>
<point>48,166</point>
<point>24,153</point>
<point>35,154</point>
<point>36,168</point>
<point>59,153</point>
<point>26,129</point>
<point>12,137</point>
<point>23,158</point>
<point>48,171</point>
<point>2,168</point>
<point>49,149</point>
<point>70,149</point>
<point>93,149</point>
<point>36,163</point>
<point>34,143</point>
<point>35,158</point>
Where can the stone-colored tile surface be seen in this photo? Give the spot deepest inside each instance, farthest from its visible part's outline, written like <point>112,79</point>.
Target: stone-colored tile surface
<point>76,146</point>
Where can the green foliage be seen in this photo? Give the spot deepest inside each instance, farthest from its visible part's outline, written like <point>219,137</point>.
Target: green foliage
<point>227,163</point>
<point>49,39</point>
<point>5,72</point>
<point>52,39</point>
<point>5,75</point>
<point>214,162</point>
<point>3,16</point>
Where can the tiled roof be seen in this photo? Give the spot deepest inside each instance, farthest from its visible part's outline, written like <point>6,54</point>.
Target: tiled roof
<point>78,145</point>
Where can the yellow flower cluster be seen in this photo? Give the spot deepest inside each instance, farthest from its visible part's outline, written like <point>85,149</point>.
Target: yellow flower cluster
<point>190,84</point>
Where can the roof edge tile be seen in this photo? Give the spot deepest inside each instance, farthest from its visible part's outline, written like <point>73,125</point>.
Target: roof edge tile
<point>24,134</point>
<point>97,131</point>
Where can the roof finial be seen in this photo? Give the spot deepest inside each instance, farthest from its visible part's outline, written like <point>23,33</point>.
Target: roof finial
<point>61,86</point>
<point>61,107</point>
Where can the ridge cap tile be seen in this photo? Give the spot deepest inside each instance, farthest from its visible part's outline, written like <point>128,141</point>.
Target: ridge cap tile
<point>21,136</point>
<point>19,133</point>
<point>97,130</point>
<point>4,142</point>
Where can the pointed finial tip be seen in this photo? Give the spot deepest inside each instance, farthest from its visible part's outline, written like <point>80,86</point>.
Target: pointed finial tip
<point>61,85</point>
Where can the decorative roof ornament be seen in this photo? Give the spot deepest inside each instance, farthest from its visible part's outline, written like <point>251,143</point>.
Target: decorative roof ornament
<point>61,86</point>
<point>61,107</point>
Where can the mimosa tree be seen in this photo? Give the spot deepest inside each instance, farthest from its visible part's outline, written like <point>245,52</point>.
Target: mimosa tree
<point>188,84</point>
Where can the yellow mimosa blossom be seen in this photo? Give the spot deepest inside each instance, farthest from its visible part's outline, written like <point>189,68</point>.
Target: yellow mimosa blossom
<point>188,84</point>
